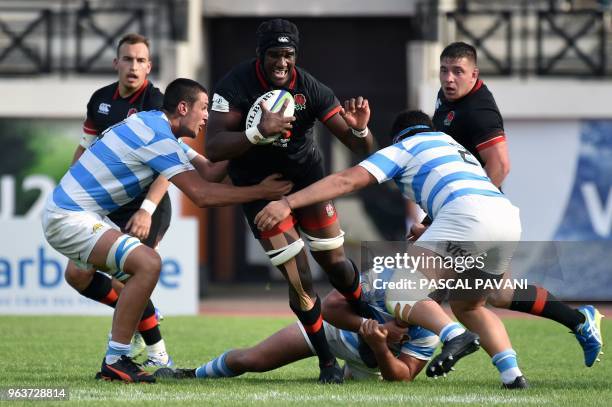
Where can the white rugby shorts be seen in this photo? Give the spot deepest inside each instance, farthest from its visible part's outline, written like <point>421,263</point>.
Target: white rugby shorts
<point>74,234</point>
<point>478,225</point>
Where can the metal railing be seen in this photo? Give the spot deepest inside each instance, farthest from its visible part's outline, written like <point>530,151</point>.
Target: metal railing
<point>530,41</point>
<point>66,36</point>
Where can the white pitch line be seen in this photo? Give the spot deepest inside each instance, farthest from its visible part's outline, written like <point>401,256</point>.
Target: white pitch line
<point>129,393</point>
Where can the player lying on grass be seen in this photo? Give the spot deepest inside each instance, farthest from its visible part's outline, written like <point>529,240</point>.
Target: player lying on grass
<point>471,217</point>
<point>401,352</point>
<point>113,172</point>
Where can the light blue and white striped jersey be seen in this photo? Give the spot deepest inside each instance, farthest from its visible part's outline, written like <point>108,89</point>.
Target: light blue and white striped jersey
<point>431,169</point>
<point>118,166</point>
<point>421,342</point>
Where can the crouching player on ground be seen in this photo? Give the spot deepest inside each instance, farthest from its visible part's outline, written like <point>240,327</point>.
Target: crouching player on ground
<point>112,173</point>
<point>401,352</point>
<point>467,210</point>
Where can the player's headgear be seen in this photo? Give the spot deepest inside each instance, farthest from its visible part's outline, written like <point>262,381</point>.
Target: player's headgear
<point>277,33</point>
<point>408,123</point>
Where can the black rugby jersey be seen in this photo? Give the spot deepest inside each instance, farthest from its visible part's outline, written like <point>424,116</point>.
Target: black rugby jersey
<point>106,107</point>
<point>474,120</point>
<point>241,87</point>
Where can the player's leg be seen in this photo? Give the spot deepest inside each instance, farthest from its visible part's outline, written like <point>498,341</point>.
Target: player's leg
<point>281,348</point>
<point>493,337</point>
<point>123,255</point>
<point>106,248</point>
<point>534,300</point>
<point>148,328</point>
<point>321,229</point>
<point>320,226</point>
<point>285,248</point>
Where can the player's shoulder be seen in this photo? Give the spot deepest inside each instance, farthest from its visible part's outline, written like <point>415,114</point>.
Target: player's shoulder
<point>307,80</point>
<point>154,97</point>
<point>481,98</point>
<point>240,73</point>
<point>105,92</point>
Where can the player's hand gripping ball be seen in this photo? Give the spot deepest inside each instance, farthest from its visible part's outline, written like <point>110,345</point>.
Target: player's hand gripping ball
<point>273,101</point>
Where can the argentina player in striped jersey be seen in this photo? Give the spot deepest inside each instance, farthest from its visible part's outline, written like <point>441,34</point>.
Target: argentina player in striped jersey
<point>113,172</point>
<point>470,215</point>
<point>401,351</point>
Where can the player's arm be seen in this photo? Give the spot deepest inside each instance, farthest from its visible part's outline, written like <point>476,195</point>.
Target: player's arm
<point>139,224</point>
<point>391,368</point>
<point>225,139</point>
<point>497,162</point>
<point>87,138</point>
<point>206,194</point>
<point>328,188</point>
<point>489,138</point>
<point>210,171</point>
<point>350,126</point>
<point>337,311</point>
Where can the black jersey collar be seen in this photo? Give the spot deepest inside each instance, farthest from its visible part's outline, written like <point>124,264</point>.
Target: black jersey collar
<point>136,95</point>
<point>262,78</point>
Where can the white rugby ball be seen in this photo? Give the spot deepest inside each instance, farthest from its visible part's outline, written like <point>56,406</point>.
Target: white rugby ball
<point>273,101</point>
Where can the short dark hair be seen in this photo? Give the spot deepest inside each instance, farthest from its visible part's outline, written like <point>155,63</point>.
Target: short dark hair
<point>133,38</point>
<point>458,50</point>
<point>408,123</point>
<point>179,90</point>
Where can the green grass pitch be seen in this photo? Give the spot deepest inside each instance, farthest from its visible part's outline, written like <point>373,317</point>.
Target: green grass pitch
<point>58,351</point>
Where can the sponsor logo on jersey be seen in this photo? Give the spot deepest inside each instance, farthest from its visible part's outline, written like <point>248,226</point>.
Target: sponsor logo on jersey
<point>300,101</point>
<point>104,108</point>
<point>283,39</point>
<point>131,112</point>
<point>97,227</point>
<point>329,209</point>
<point>449,118</point>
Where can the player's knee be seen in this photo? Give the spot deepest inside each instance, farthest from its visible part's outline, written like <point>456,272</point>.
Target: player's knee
<point>77,278</point>
<point>282,255</point>
<point>500,298</point>
<point>150,264</point>
<point>124,260</point>
<point>318,244</point>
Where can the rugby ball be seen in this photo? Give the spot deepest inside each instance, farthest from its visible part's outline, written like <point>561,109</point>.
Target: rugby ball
<point>273,101</point>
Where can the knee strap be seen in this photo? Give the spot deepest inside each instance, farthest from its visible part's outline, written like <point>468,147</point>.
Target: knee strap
<point>284,254</point>
<point>320,245</point>
<point>118,254</point>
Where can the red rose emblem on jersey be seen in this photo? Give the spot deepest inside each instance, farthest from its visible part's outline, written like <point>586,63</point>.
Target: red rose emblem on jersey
<point>300,101</point>
<point>329,209</point>
<point>449,118</point>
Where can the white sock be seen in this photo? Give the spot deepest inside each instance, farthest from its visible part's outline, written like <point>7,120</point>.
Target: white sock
<point>158,351</point>
<point>508,376</point>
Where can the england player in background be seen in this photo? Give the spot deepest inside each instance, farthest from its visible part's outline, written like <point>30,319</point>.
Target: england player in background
<point>113,172</point>
<point>448,183</point>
